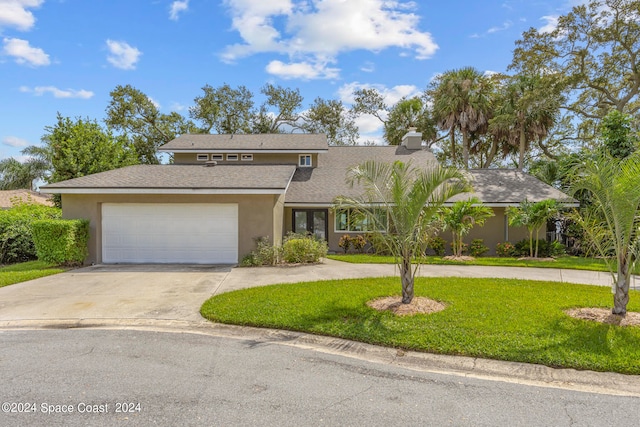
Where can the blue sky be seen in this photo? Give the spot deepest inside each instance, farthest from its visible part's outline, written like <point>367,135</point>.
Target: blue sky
<point>67,55</point>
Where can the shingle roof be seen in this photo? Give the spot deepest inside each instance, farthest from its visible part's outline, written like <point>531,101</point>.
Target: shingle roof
<point>263,177</point>
<point>491,186</point>
<point>509,186</point>
<point>8,196</point>
<point>322,184</point>
<point>239,142</point>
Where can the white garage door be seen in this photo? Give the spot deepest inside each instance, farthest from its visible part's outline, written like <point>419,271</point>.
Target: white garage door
<point>188,233</point>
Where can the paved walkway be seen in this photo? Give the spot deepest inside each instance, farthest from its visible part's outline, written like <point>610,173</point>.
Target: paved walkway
<point>168,299</point>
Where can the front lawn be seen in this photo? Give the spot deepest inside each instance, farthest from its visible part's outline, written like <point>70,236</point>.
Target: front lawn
<point>501,319</point>
<point>16,273</point>
<point>569,262</point>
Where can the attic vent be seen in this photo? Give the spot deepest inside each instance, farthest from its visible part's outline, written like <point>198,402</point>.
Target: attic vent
<point>210,163</point>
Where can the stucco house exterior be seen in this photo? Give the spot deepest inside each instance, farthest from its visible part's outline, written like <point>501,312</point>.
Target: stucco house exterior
<point>224,191</point>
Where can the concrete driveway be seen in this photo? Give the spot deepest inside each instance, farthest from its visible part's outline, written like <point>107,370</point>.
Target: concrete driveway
<point>161,292</point>
<point>131,294</point>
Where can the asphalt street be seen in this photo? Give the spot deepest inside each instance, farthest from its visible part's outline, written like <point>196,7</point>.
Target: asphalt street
<point>78,377</point>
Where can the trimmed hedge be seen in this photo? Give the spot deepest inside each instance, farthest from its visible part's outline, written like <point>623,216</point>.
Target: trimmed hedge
<point>61,241</point>
<point>16,241</point>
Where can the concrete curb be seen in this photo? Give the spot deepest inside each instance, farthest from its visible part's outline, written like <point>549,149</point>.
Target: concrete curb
<point>485,369</point>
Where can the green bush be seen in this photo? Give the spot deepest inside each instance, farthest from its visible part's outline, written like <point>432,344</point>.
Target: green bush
<point>61,241</point>
<point>16,240</point>
<point>506,250</point>
<point>358,242</point>
<point>478,248</point>
<point>265,254</point>
<point>437,245</point>
<point>303,249</point>
<point>545,248</point>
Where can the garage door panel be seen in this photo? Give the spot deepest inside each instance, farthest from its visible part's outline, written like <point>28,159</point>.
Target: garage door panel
<point>169,233</point>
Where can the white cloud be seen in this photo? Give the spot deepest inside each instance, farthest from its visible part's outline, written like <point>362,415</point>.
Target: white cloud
<point>58,93</point>
<point>122,55</point>
<point>505,26</point>
<point>176,106</point>
<point>302,70</point>
<point>14,141</point>
<point>177,7</point>
<point>551,24</point>
<point>24,53</point>
<point>391,95</point>
<point>154,102</point>
<point>317,31</point>
<point>368,67</point>
<point>14,13</point>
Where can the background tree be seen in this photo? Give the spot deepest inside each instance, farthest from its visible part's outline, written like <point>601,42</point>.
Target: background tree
<point>618,138</point>
<point>224,110</point>
<point>331,118</point>
<point>613,221</point>
<point>402,202</point>
<point>15,175</point>
<point>408,113</point>
<point>82,147</point>
<point>527,107</point>
<point>287,103</point>
<point>461,217</point>
<point>462,100</point>
<point>594,50</point>
<point>133,113</point>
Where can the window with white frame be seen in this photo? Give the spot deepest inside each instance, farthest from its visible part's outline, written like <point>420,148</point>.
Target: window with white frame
<point>305,161</point>
<point>246,157</point>
<point>351,220</point>
<point>217,157</point>
<point>203,157</point>
<point>232,157</point>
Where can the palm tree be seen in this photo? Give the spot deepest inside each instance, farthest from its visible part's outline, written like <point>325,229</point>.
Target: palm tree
<point>613,221</point>
<point>462,99</point>
<point>400,203</point>
<point>461,217</point>
<point>528,108</point>
<point>15,175</point>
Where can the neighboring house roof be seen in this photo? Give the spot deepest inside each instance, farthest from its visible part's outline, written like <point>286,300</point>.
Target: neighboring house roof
<point>498,187</point>
<point>322,184</point>
<point>176,179</point>
<point>277,142</point>
<point>7,197</point>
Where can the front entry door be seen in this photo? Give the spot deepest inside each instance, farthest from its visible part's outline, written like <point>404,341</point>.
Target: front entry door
<point>311,221</point>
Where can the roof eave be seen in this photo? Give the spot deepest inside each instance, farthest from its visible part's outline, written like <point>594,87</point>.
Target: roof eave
<point>107,190</point>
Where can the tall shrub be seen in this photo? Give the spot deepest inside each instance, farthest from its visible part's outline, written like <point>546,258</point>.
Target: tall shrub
<point>61,241</point>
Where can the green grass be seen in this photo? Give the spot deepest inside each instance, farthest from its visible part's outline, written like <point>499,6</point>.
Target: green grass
<point>501,319</point>
<point>24,271</point>
<point>570,262</point>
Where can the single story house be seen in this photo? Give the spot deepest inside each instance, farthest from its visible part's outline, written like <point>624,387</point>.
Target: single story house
<point>224,191</point>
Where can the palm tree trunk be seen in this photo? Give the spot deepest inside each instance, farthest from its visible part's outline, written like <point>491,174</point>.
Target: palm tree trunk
<point>621,295</point>
<point>465,149</point>
<point>452,135</point>
<point>406,277</point>
<point>522,146</point>
<point>531,243</point>
<point>537,239</point>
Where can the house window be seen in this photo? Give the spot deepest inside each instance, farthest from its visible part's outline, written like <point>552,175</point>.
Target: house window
<point>203,157</point>
<point>349,220</point>
<point>232,157</point>
<point>247,157</point>
<point>218,157</point>
<point>304,161</point>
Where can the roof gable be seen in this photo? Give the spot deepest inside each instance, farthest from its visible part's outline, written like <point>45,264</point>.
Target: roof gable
<point>277,142</point>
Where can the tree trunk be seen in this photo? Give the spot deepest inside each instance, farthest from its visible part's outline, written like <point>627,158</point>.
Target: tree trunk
<point>531,243</point>
<point>537,239</point>
<point>621,295</point>
<point>452,135</point>
<point>492,153</point>
<point>522,146</point>
<point>407,280</point>
<point>465,149</point>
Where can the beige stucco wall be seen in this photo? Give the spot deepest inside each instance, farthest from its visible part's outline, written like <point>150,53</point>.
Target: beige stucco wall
<point>493,232</point>
<point>258,158</point>
<point>257,214</point>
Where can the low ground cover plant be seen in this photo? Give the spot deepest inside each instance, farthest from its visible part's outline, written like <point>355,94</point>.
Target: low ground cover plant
<point>514,320</point>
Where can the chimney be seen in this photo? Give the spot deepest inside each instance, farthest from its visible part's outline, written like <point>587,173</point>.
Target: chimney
<point>412,140</point>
